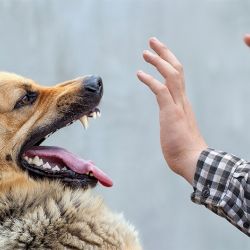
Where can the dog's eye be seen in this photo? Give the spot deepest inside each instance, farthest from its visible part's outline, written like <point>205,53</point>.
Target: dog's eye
<point>28,99</point>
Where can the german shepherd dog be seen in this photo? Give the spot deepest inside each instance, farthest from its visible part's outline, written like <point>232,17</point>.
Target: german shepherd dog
<point>44,198</point>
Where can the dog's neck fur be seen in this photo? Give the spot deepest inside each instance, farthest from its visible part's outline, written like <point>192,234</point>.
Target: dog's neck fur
<point>47,215</point>
<point>37,214</point>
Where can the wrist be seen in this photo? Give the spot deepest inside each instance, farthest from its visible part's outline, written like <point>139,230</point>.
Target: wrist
<point>185,164</point>
<point>190,165</point>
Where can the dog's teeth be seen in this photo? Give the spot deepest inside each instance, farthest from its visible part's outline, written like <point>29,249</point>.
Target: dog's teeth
<point>46,166</point>
<point>56,168</point>
<point>30,160</point>
<point>40,162</point>
<point>37,161</point>
<point>94,115</point>
<point>89,174</point>
<point>64,168</point>
<point>26,158</point>
<point>98,113</point>
<point>84,121</point>
<point>47,136</point>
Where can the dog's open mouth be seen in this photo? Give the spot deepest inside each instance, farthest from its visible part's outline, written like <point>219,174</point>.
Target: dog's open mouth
<point>58,163</point>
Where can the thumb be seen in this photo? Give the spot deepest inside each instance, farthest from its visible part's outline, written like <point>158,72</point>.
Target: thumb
<point>247,39</point>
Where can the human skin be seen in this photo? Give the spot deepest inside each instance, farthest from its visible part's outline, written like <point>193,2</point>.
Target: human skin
<point>181,140</point>
<point>247,39</point>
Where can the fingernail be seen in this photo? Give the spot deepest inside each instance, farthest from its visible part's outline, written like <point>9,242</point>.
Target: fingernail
<point>146,52</point>
<point>154,39</point>
<point>139,72</point>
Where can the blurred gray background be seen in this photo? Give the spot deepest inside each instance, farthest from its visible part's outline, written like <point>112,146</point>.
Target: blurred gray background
<point>55,40</point>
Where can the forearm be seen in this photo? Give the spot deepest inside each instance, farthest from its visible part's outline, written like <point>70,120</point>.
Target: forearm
<point>191,159</point>
<point>222,184</point>
<point>220,180</point>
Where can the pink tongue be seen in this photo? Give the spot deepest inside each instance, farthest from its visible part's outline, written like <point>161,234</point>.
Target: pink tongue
<point>72,161</point>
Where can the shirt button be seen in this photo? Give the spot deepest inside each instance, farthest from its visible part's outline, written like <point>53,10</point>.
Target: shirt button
<point>246,224</point>
<point>205,193</point>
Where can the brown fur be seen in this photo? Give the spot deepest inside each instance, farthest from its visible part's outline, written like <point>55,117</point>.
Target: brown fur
<point>46,214</point>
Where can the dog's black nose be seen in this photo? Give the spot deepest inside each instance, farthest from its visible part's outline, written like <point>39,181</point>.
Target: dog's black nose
<point>93,84</point>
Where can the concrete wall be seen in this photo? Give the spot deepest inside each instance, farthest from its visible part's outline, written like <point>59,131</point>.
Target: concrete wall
<point>55,40</point>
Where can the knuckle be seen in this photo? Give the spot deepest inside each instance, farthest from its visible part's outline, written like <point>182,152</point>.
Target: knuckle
<point>178,66</point>
<point>149,58</point>
<point>162,91</point>
<point>150,78</point>
<point>162,88</point>
<point>163,51</point>
<point>176,74</point>
<point>155,60</point>
<point>163,47</point>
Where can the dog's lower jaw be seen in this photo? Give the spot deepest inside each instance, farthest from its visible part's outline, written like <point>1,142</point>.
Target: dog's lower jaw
<point>48,215</point>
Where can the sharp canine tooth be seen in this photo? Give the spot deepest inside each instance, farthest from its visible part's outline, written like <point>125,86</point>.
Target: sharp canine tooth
<point>84,121</point>
<point>64,168</point>
<point>98,113</point>
<point>91,174</point>
<point>94,115</point>
<point>26,158</point>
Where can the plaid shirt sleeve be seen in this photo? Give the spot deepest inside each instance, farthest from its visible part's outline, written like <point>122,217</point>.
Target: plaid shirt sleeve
<point>222,184</point>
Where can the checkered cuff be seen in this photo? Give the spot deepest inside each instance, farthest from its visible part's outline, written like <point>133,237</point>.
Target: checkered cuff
<point>222,184</point>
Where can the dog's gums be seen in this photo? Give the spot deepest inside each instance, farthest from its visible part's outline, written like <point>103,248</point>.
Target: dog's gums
<point>67,102</point>
<point>44,200</point>
<point>58,163</point>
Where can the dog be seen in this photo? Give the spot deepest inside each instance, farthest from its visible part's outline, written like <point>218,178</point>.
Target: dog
<point>45,197</point>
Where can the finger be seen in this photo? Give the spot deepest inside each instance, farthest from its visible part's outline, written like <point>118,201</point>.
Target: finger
<point>247,39</point>
<point>159,89</point>
<point>176,88</point>
<point>150,81</point>
<point>164,53</point>
<point>164,68</point>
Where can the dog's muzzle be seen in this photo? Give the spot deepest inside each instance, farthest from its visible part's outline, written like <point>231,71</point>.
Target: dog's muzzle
<point>58,163</point>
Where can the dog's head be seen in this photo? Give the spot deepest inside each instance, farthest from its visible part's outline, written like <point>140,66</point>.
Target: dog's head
<point>29,113</point>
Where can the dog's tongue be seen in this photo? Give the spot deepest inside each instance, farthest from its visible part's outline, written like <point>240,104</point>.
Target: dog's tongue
<point>72,161</point>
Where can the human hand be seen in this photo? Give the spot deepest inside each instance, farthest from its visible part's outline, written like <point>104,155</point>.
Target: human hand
<point>181,140</point>
<point>247,39</point>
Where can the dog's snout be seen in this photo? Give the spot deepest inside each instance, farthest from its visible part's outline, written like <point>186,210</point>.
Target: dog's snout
<point>93,84</point>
